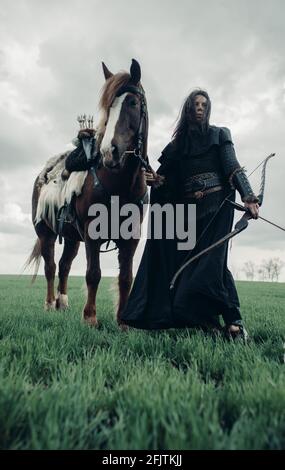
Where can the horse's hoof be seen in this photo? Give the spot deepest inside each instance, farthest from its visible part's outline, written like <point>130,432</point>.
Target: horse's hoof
<point>50,305</point>
<point>92,321</point>
<point>61,301</point>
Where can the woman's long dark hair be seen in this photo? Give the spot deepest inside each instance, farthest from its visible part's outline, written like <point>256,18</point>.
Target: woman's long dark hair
<point>186,121</point>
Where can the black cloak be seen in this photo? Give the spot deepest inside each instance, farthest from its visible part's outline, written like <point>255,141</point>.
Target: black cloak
<point>206,288</point>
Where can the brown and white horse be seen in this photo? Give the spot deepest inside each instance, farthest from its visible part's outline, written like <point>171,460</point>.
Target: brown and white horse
<point>121,136</point>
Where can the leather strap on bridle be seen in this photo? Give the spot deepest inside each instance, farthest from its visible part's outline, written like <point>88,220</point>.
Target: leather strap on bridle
<point>138,151</point>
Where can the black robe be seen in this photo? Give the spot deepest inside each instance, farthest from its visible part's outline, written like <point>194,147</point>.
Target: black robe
<point>206,288</point>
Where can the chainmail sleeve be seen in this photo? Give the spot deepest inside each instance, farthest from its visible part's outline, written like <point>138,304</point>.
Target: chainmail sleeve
<point>232,170</point>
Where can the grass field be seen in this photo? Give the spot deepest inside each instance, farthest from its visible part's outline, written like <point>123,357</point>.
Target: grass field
<point>64,385</point>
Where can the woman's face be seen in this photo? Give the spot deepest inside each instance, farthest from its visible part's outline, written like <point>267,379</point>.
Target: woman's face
<point>200,107</point>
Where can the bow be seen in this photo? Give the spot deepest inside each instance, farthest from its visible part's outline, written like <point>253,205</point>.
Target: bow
<point>241,225</point>
<point>263,173</point>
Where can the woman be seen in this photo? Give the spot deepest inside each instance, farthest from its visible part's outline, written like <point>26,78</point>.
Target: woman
<point>198,166</point>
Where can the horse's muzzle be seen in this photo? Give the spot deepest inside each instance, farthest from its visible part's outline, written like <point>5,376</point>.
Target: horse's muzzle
<point>111,165</point>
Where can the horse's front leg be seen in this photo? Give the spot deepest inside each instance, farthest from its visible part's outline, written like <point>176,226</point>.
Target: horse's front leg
<point>127,250</point>
<point>93,276</point>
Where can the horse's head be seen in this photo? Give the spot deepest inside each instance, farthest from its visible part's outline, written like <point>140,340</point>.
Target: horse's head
<point>123,126</point>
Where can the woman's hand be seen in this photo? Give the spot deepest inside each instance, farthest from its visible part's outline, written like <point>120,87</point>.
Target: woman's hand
<point>253,207</point>
<point>153,179</point>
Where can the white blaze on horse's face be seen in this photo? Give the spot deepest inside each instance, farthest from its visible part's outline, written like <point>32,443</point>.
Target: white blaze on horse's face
<point>106,147</point>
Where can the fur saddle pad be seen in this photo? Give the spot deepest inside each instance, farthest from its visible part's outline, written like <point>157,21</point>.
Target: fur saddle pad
<point>54,191</point>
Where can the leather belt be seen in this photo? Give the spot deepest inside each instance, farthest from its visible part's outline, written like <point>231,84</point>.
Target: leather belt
<point>200,194</point>
<point>202,184</point>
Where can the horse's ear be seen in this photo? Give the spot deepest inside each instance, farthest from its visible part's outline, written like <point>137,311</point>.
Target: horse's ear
<point>135,72</point>
<point>106,71</point>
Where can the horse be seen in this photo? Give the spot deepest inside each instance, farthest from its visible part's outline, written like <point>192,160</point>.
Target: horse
<point>121,140</point>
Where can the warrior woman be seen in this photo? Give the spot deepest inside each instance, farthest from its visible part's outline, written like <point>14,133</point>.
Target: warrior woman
<point>199,166</point>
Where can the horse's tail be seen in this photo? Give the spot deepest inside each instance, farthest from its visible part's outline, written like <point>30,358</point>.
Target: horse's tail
<point>34,258</point>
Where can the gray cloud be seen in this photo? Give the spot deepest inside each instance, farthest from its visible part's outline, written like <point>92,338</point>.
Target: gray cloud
<point>50,70</point>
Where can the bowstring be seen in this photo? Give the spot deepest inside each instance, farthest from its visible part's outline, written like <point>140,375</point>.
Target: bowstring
<point>218,210</point>
<point>209,223</point>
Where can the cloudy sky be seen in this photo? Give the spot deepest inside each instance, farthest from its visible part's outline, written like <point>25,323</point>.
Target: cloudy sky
<point>50,71</point>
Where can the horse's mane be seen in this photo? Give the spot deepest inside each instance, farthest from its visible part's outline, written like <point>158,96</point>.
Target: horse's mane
<point>108,94</point>
<point>111,87</point>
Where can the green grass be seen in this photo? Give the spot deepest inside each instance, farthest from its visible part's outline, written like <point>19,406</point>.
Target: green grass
<point>64,385</point>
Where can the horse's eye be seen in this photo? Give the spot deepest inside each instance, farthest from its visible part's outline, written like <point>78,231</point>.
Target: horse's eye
<point>133,102</point>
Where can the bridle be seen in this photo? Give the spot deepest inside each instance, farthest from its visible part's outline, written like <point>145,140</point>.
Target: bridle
<point>138,150</point>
